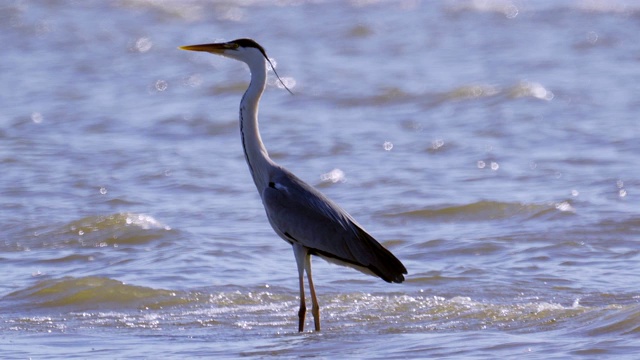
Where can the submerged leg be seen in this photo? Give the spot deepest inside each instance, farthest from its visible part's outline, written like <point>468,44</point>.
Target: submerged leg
<point>315,308</point>
<point>301,255</point>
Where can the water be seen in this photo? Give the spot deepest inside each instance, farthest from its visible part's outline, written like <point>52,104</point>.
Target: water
<point>491,145</point>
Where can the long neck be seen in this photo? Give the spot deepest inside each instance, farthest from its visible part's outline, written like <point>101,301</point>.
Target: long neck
<point>254,150</point>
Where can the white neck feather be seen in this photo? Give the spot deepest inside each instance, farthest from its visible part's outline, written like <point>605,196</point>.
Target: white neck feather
<point>254,150</point>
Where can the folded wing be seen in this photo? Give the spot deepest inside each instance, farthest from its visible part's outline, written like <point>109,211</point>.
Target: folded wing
<point>299,213</point>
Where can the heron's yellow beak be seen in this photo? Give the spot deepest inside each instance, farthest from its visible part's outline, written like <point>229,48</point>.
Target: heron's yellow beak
<point>217,48</point>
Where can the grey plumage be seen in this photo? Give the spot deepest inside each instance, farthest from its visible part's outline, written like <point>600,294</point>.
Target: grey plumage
<point>300,214</point>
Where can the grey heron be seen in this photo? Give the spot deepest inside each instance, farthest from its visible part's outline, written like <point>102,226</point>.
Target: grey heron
<point>298,213</point>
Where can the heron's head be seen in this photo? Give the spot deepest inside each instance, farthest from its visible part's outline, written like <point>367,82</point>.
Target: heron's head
<point>245,50</point>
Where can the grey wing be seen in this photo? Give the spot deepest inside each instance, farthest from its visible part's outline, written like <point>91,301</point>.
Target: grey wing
<point>299,213</point>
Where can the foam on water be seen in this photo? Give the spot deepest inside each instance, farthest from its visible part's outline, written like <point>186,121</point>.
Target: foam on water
<point>91,301</point>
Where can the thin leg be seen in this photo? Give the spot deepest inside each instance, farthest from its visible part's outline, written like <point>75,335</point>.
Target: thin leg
<point>315,308</point>
<point>301,255</point>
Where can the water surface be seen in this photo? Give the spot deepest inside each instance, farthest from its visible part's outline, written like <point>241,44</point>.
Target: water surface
<point>491,145</point>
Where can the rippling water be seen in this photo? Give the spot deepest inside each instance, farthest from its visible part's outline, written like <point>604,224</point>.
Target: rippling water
<point>491,145</point>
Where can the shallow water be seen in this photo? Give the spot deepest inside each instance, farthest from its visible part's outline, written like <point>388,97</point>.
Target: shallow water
<point>491,145</point>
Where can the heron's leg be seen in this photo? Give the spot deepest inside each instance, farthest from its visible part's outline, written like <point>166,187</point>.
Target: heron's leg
<point>315,308</point>
<point>301,256</point>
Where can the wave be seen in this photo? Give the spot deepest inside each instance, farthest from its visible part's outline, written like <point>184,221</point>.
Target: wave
<point>121,228</point>
<point>93,231</point>
<point>87,293</point>
<point>522,89</point>
<point>487,211</point>
<point>98,301</point>
<point>615,319</point>
<point>396,96</point>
